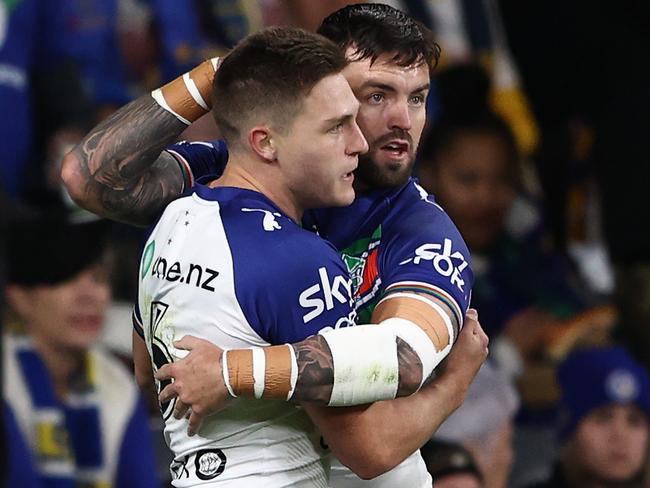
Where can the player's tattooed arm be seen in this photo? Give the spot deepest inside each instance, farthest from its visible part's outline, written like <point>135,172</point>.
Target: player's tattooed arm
<point>119,170</point>
<point>316,370</point>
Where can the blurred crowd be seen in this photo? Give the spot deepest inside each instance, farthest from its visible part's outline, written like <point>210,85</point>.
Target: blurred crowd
<point>535,146</point>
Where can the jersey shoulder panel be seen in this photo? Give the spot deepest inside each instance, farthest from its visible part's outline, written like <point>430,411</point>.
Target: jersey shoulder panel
<point>422,249</point>
<point>290,283</point>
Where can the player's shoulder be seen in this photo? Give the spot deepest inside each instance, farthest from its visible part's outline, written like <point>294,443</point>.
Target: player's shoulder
<point>188,150</point>
<point>415,212</point>
<point>259,232</point>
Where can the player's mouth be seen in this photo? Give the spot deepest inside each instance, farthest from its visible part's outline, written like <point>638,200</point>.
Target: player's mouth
<point>348,177</point>
<point>395,149</point>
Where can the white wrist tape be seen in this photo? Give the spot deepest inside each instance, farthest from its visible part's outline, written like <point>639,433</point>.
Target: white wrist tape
<point>226,375</point>
<point>259,371</point>
<point>294,372</point>
<point>160,99</point>
<point>188,96</point>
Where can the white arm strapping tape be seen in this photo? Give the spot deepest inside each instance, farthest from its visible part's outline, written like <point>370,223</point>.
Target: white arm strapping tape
<point>419,341</point>
<point>226,375</point>
<point>365,364</point>
<point>294,371</point>
<point>437,308</point>
<point>364,357</point>
<point>194,91</point>
<point>259,371</point>
<point>160,99</point>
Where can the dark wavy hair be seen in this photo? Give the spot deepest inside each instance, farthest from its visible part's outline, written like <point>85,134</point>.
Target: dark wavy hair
<point>374,29</point>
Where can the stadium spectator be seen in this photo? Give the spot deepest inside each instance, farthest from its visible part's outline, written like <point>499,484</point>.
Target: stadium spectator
<point>76,405</point>
<point>604,427</point>
<point>451,465</point>
<point>470,162</point>
<point>33,73</point>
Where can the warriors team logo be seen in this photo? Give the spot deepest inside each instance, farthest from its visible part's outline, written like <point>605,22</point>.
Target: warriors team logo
<point>355,267</point>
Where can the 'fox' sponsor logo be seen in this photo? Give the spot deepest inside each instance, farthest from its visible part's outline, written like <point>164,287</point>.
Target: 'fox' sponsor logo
<point>444,261</point>
<point>193,275</point>
<point>320,297</point>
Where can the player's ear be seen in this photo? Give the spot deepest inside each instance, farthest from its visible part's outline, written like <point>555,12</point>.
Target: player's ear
<point>261,142</point>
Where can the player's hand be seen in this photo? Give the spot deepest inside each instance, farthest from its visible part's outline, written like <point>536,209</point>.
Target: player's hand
<point>197,382</point>
<point>467,354</point>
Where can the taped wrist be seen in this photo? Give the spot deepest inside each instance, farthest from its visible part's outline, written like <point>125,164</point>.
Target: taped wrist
<point>261,372</point>
<point>189,96</point>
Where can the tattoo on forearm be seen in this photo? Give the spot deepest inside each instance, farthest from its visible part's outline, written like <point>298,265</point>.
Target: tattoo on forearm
<point>127,177</point>
<point>315,371</point>
<point>410,369</point>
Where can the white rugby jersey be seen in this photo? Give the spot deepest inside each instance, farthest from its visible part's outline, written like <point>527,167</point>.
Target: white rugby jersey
<point>391,240</point>
<point>227,265</point>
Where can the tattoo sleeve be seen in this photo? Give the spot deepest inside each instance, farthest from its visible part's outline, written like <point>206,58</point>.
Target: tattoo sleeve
<point>316,370</point>
<point>119,170</point>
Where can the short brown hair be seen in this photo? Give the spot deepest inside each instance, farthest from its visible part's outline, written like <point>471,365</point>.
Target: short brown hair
<point>375,29</point>
<point>270,72</point>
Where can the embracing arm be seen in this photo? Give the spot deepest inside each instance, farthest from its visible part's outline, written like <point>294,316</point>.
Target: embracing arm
<point>372,439</point>
<point>375,362</point>
<point>119,170</point>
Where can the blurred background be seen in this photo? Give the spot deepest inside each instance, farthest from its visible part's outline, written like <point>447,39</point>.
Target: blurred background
<point>536,145</point>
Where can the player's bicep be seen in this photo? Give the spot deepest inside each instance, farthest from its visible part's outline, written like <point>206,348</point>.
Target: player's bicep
<point>434,316</point>
<point>433,261</point>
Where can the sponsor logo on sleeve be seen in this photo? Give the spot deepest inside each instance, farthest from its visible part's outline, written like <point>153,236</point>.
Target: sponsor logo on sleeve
<point>444,260</point>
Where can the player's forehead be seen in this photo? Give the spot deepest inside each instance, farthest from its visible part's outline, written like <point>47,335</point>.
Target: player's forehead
<point>330,98</point>
<point>385,71</point>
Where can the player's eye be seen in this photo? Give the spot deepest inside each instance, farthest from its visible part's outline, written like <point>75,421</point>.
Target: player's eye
<point>337,128</point>
<point>376,98</point>
<point>417,100</point>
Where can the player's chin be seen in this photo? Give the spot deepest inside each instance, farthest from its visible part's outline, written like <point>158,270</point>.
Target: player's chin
<point>343,194</point>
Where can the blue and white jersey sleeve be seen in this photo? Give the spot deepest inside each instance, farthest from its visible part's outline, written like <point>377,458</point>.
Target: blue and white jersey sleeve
<point>202,161</point>
<point>289,287</point>
<point>423,251</point>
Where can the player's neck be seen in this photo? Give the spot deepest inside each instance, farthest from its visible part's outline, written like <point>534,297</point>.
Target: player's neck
<point>263,180</point>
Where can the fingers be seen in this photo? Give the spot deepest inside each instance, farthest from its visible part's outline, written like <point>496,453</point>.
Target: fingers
<point>472,314</point>
<point>195,422</point>
<point>168,393</point>
<point>166,372</point>
<point>180,409</point>
<point>187,342</point>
